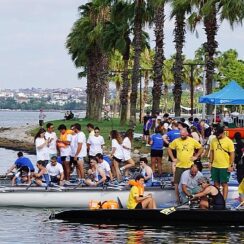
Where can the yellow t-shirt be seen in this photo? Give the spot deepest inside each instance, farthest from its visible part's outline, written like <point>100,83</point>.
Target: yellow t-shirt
<point>221,159</point>
<point>185,150</point>
<point>241,187</point>
<point>134,192</point>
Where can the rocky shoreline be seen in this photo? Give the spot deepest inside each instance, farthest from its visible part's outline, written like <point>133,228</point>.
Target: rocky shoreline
<point>18,139</point>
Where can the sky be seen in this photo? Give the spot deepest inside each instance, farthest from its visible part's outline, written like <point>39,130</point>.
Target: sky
<point>33,35</point>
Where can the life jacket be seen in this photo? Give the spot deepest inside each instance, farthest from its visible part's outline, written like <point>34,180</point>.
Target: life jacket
<point>110,204</point>
<point>138,185</point>
<point>93,204</point>
<point>63,138</point>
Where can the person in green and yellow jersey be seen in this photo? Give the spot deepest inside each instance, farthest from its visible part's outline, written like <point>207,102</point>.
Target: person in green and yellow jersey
<point>185,147</point>
<point>222,155</point>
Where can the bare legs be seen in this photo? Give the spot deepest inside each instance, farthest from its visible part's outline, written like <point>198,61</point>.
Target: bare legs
<point>149,202</point>
<point>156,161</point>
<point>116,169</point>
<point>80,169</point>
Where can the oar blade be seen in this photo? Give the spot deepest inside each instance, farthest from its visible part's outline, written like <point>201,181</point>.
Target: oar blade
<point>168,211</point>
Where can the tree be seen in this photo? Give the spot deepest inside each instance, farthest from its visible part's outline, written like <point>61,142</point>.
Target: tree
<point>180,9</point>
<point>229,68</point>
<point>117,37</point>
<point>159,58</point>
<point>84,46</point>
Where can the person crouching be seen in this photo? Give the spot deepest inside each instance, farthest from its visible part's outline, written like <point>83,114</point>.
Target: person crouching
<point>136,199</point>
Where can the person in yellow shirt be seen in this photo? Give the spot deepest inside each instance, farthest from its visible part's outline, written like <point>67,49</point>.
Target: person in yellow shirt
<point>222,155</point>
<point>136,199</point>
<point>185,148</point>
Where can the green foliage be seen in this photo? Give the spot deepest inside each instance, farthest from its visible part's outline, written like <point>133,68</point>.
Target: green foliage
<point>230,68</point>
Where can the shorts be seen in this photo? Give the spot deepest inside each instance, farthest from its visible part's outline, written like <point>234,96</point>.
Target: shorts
<point>117,159</point>
<point>156,153</point>
<point>65,158</point>
<point>220,175</point>
<point>146,132</point>
<point>54,179</point>
<point>73,161</point>
<point>138,206</point>
<point>178,173</point>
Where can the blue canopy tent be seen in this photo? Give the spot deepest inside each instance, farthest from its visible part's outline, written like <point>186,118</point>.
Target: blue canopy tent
<point>231,94</point>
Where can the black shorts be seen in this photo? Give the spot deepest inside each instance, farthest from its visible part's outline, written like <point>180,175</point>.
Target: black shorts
<point>157,153</point>
<point>65,158</point>
<point>117,159</point>
<point>41,122</point>
<point>146,132</point>
<point>138,206</point>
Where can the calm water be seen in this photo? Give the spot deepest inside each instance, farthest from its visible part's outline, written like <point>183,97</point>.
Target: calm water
<point>18,118</point>
<point>33,225</point>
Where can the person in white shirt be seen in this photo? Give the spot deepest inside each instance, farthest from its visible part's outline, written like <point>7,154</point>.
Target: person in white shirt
<point>116,153</point>
<point>63,144</point>
<point>78,150</point>
<point>189,182</point>
<point>90,129</point>
<point>95,143</point>
<point>105,166</point>
<point>51,136</point>
<point>127,147</point>
<point>42,116</point>
<point>55,171</point>
<point>41,146</point>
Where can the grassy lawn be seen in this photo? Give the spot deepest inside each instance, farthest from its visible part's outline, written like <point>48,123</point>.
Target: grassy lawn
<point>105,128</point>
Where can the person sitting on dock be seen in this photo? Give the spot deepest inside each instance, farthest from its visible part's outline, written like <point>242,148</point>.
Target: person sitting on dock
<point>97,176</point>
<point>146,171</point>
<point>136,199</point>
<point>189,182</point>
<point>21,161</point>
<point>42,178</point>
<point>23,176</point>
<point>55,170</point>
<point>210,196</point>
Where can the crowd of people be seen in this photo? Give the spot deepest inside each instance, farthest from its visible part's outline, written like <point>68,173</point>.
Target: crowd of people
<point>185,141</point>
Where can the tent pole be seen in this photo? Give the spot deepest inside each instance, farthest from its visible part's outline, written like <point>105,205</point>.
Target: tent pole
<point>215,112</point>
<point>204,93</point>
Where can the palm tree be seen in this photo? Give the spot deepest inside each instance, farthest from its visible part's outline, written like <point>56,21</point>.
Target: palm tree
<point>146,70</point>
<point>117,37</point>
<point>180,9</point>
<point>159,58</point>
<point>84,46</point>
<point>208,10</point>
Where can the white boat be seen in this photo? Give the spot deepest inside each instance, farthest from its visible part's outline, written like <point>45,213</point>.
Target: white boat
<point>39,197</point>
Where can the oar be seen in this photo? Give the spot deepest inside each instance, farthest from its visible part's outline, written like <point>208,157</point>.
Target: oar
<point>80,183</point>
<point>32,182</point>
<point>170,210</point>
<point>242,203</point>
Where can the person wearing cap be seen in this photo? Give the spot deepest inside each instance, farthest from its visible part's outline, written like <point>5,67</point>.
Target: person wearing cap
<point>185,147</point>
<point>222,155</point>
<point>210,196</point>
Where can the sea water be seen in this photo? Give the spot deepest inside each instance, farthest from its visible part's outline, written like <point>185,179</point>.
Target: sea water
<point>26,225</point>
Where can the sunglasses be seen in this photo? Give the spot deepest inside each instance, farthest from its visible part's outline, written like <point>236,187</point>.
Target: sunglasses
<point>96,132</point>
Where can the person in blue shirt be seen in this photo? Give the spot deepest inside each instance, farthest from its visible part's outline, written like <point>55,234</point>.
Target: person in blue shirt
<point>156,142</point>
<point>21,162</point>
<point>168,138</point>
